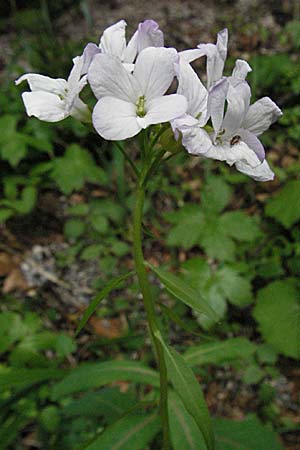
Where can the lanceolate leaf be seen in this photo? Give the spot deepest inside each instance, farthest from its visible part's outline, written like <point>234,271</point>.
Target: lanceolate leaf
<point>96,375</point>
<point>19,377</point>
<point>185,433</point>
<point>220,352</point>
<point>131,432</point>
<point>187,387</point>
<point>102,294</point>
<point>184,292</point>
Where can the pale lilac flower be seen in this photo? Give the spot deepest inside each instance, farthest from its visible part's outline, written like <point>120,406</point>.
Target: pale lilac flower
<point>113,42</point>
<point>216,55</point>
<point>54,99</point>
<point>129,102</point>
<point>234,139</point>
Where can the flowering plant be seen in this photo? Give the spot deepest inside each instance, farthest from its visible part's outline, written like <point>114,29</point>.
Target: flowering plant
<point>131,83</point>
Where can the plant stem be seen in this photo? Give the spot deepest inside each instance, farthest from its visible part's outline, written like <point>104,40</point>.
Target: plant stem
<point>150,311</point>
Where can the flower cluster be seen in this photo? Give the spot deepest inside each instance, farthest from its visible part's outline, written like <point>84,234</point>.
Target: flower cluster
<point>130,82</point>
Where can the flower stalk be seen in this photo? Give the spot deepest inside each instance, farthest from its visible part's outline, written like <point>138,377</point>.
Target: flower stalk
<point>150,310</point>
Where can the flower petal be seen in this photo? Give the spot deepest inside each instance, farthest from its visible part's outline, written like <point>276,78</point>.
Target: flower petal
<point>163,109</point>
<point>233,154</point>
<point>241,69</point>
<point>89,52</point>
<point>216,103</point>
<point>191,87</point>
<point>195,139</point>
<point>74,77</point>
<point>154,70</point>
<point>44,106</point>
<point>238,99</point>
<point>149,35</point>
<point>262,172</point>
<point>216,56</point>
<point>115,119</point>
<point>182,122</point>
<point>261,115</point>
<point>253,142</point>
<point>189,56</point>
<point>108,78</point>
<point>113,40</point>
<point>80,111</point>
<point>39,82</point>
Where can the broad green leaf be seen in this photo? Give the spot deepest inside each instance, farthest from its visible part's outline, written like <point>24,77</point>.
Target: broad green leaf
<point>27,201</point>
<point>74,228</point>
<point>285,206</point>
<point>220,352</point>
<point>240,226</point>
<point>185,434</point>
<point>76,167</point>
<point>215,194</point>
<point>108,402</point>
<point>131,432</point>
<point>188,389</point>
<point>102,294</point>
<point>216,242</point>
<point>248,434</point>
<point>184,292</point>
<point>17,378</point>
<point>236,288</point>
<point>95,375</point>
<point>190,218</point>
<point>278,315</point>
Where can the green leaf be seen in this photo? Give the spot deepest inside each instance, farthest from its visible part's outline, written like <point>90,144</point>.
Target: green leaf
<point>184,292</point>
<point>188,389</point>
<point>240,226</point>
<point>108,402</point>
<point>278,315</point>
<point>27,200</point>
<point>95,375</point>
<point>99,223</point>
<point>16,378</point>
<point>102,294</point>
<point>185,435</point>
<point>215,194</point>
<point>220,352</point>
<point>248,434</point>
<point>74,228</point>
<point>285,206</point>
<point>236,288</point>
<point>216,242</point>
<point>253,374</point>
<point>189,217</point>
<point>76,167</point>
<point>10,429</point>
<point>132,432</point>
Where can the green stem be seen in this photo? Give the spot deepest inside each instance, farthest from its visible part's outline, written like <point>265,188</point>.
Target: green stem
<point>149,307</point>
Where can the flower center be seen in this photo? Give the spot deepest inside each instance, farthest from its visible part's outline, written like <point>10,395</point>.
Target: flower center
<point>140,106</point>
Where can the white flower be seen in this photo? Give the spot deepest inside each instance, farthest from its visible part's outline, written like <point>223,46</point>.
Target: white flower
<point>129,102</point>
<point>216,55</point>
<point>113,42</point>
<point>54,99</point>
<point>235,133</point>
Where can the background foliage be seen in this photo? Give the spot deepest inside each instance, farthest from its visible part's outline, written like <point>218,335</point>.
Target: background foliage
<point>65,213</point>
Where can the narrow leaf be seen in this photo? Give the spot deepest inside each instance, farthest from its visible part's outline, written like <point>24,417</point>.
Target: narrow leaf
<point>102,294</point>
<point>19,377</point>
<point>184,292</point>
<point>185,433</point>
<point>95,375</point>
<point>220,352</point>
<point>131,432</point>
<point>188,389</point>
